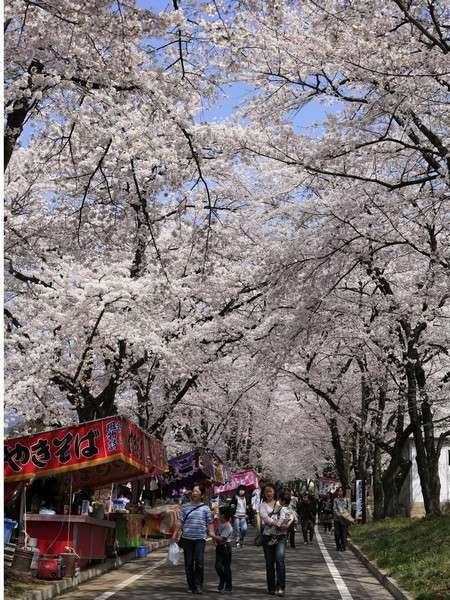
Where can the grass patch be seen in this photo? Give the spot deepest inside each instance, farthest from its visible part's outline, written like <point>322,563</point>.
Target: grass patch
<point>415,552</point>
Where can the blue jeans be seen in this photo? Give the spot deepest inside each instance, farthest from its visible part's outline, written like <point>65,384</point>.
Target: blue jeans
<point>194,552</point>
<point>240,528</point>
<point>275,565</point>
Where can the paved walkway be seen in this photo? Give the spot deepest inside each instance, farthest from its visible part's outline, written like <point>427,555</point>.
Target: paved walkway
<point>315,572</point>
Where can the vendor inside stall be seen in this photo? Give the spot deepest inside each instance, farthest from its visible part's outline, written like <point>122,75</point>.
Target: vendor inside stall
<point>46,496</point>
<point>82,502</point>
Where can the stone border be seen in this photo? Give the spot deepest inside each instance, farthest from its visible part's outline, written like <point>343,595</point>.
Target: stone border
<point>68,584</point>
<point>387,582</point>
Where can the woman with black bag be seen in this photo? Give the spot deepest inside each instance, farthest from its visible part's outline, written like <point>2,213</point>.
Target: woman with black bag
<point>274,526</point>
<point>195,521</point>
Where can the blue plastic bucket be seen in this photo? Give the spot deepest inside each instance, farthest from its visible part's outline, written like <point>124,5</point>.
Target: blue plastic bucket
<point>141,551</point>
<point>8,527</point>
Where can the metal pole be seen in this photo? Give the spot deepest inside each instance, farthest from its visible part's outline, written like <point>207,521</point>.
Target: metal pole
<point>22,516</point>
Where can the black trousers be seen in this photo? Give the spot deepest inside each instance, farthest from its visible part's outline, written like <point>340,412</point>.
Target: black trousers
<point>291,535</point>
<point>308,530</point>
<point>223,566</point>
<point>340,534</point>
<point>194,553</point>
<point>327,524</point>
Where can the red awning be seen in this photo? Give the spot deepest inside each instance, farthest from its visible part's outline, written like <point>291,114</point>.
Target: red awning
<point>98,453</point>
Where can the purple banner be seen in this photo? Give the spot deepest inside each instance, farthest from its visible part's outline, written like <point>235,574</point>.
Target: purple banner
<point>186,469</point>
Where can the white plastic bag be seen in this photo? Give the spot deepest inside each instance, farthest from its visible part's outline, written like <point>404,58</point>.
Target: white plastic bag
<point>173,556</point>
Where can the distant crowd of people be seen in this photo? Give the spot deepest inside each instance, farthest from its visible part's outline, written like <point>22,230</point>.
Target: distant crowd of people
<point>276,514</point>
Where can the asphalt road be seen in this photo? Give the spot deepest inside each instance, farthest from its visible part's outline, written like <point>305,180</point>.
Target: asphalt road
<point>314,572</point>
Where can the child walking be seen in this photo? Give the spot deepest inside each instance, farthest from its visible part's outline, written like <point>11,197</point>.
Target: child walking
<point>223,537</point>
<point>285,516</point>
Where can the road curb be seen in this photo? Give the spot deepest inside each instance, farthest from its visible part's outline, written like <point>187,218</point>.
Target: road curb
<point>66,585</point>
<point>387,582</point>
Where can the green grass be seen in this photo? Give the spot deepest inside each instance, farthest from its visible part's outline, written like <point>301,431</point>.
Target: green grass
<point>415,552</point>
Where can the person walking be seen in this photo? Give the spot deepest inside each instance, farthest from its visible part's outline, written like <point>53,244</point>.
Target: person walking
<point>224,535</point>
<point>342,508</point>
<point>307,515</point>
<point>274,526</point>
<point>195,521</point>
<point>291,512</point>
<point>294,500</point>
<point>292,506</point>
<point>326,512</point>
<point>240,516</point>
<point>255,502</point>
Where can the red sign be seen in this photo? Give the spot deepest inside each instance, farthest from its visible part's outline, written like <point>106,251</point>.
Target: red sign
<point>81,447</point>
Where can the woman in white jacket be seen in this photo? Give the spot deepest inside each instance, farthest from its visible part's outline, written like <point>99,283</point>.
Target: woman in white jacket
<point>274,525</point>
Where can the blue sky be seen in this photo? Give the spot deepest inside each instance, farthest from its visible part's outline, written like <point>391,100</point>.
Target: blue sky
<point>313,113</point>
<point>157,5</point>
<point>234,94</point>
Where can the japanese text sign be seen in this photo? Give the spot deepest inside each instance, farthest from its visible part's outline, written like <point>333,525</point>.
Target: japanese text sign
<point>187,465</point>
<point>82,446</point>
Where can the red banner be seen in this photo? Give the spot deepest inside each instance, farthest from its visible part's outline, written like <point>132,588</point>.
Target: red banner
<point>81,447</point>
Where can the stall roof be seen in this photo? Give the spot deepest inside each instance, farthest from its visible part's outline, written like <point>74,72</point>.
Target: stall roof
<point>97,453</point>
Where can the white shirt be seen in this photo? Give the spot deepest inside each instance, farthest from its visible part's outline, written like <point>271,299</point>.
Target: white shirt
<point>256,499</point>
<point>241,507</point>
<point>266,515</point>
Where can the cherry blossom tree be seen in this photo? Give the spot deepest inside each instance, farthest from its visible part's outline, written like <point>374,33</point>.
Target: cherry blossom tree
<point>247,285</point>
<point>115,242</point>
<point>379,161</point>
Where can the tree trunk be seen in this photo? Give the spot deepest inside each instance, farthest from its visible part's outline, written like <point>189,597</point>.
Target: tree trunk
<point>362,449</point>
<point>427,466</point>
<point>95,409</point>
<point>378,491</point>
<point>393,479</point>
<point>339,453</point>
<point>16,118</point>
<point>432,448</point>
<point>435,488</point>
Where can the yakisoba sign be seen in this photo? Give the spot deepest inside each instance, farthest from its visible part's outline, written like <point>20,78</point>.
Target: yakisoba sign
<point>87,446</point>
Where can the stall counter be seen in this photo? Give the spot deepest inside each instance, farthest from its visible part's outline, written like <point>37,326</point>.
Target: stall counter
<point>160,520</point>
<point>87,536</point>
<point>128,529</point>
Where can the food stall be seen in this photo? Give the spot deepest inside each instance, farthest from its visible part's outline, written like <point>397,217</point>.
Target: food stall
<point>82,457</point>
